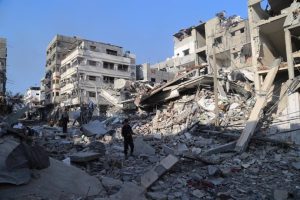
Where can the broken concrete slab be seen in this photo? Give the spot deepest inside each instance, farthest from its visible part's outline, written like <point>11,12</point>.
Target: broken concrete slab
<point>111,185</point>
<point>129,191</point>
<point>94,128</point>
<point>152,175</point>
<point>280,194</point>
<point>141,147</point>
<point>13,118</point>
<point>260,103</point>
<point>17,176</point>
<point>84,156</point>
<point>296,165</point>
<point>56,181</point>
<point>182,148</point>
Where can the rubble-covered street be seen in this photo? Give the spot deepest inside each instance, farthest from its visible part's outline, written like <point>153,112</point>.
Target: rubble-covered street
<point>218,120</point>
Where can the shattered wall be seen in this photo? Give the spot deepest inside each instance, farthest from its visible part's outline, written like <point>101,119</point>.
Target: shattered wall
<point>231,37</point>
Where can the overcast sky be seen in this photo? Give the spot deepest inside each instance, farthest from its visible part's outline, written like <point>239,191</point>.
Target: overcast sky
<point>142,26</point>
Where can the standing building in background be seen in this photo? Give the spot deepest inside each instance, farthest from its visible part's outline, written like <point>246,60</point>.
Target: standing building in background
<point>3,56</point>
<point>57,49</point>
<point>89,70</point>
<point>33,97</point>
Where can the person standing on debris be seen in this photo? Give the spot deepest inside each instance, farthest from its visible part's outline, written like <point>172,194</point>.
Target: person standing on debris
<point>127,135</point>
<point>65,120</point>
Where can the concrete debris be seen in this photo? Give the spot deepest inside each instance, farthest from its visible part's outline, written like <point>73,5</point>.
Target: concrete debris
<point>233,134</point>
<point>142,148</point>
<point>55,182</point>
<point>94,128</point>
<point>151,176</point>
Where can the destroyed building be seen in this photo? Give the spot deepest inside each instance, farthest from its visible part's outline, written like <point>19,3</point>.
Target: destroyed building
<point>275,35</point>
<point>3,57</point>
<point>90,70</point>
<point>231,38</point>
<point>57,49</point>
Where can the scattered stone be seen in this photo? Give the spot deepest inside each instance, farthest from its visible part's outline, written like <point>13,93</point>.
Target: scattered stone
<point>188,135</point>
<point>141,147</point>
<point>296,165</point>
<point>212,170</point>
<point>129,191</point>
<point>182,148</point>
<point>196,151</point>
<point>168,150</point>
<point>94,128</point>
<point>280,194</point>
<point>111,185</point>
<point>198,193</point>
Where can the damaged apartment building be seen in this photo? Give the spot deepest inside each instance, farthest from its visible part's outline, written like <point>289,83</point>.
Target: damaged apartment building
<point>193,47</point>
<point>79,70</point>
<point>275,33</point>
<point>90,70</point>
<point>3,56</point>
<point>57,49</point>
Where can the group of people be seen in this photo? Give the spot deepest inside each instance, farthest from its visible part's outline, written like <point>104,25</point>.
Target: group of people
<point>126,130</point>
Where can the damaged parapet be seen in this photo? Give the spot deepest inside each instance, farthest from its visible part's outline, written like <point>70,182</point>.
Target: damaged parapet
<point>3,56</point>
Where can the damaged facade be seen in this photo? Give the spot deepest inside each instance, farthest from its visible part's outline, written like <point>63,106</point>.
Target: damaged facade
<point>57,49</point>
<point>90,69</point>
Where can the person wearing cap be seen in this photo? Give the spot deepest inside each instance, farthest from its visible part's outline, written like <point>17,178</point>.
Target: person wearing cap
<point>127,135</point>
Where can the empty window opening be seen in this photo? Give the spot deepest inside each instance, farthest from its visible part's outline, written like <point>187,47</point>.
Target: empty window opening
<point>92,62</point>
<point>108,79</point>
<point>92,94</point>
<point>92,78</point>
<point>153,80</point>
<point>123,67</point>
<point>242,30</point>
<point>93,48</point>
<point>186,52</point>
<point>111,52</point>
<point>235,55</point>
<point>108,65</point>
<point>218,40</point>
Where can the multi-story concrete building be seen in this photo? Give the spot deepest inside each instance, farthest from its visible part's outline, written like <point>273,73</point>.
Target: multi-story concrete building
<point>193,46</point>
<point>33,97</point>
<point>90,68</point>
<point>231,39</point>
<point>275,33</point>
<point>154,75</point>
<point>189,50</point>
<point>3,56</point>
<point>57,49</point>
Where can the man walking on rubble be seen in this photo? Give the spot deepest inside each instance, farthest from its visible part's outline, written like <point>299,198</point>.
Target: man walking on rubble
<point>127,135</point>
<point>65,120</point>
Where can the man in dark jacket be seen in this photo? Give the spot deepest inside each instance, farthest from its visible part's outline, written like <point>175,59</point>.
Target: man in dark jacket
<point>65,121</point>
<point>127,135</point>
